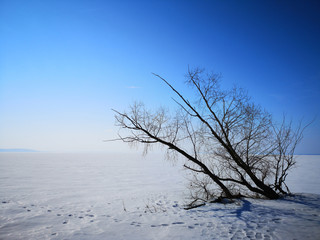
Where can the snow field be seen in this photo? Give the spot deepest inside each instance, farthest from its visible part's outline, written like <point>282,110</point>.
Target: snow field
<point>99,196</point>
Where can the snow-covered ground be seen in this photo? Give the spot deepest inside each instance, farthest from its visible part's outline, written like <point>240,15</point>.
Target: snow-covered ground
<point>104,196</point>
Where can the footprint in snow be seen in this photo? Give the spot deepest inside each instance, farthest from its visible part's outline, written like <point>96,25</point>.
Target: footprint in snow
<point>258,235</point>
<point>210,224</point>
<point>277,220</point>
<point>267,237</point>
<point>176,223</point>
<point>136,224</point>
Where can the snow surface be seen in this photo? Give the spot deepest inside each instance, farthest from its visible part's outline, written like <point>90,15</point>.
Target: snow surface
<point>104,196</point>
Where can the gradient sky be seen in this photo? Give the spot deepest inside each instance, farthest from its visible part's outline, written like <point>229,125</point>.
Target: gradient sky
<point>65,64</point>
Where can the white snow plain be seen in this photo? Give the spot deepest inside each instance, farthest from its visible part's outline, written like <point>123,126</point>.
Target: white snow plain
<point>104,196</point>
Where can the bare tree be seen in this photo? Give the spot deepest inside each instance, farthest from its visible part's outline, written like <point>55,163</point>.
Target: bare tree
<point>231,145</point>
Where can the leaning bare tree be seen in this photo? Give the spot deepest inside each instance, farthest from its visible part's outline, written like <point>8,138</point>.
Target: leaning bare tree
<point>231,145</point>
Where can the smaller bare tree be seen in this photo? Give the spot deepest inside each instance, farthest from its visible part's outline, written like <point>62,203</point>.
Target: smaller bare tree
<point>231,145</point>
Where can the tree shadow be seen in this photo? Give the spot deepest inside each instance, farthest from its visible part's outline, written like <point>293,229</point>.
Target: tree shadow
<point>246,207</point>
<point>304,207</point>
<point>310,200</point>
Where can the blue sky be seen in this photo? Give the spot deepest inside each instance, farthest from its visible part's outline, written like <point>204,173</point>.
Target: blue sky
<point>65,64</point>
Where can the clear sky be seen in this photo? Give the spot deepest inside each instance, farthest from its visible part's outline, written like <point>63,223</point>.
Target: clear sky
<point>65,64</point>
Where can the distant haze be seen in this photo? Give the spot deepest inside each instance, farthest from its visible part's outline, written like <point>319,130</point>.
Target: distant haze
<point>17,150</point>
